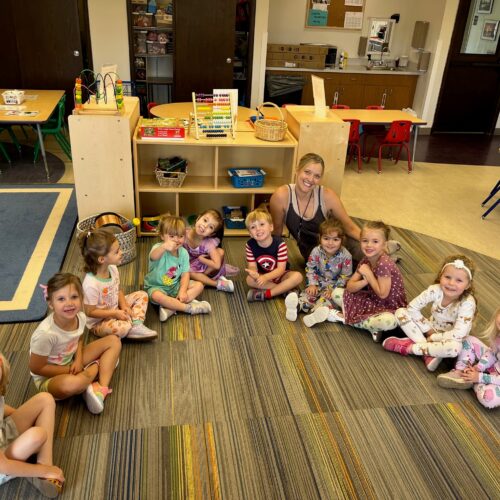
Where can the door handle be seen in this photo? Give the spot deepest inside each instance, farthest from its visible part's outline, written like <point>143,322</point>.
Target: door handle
<point>229,60</point>
<point>76,53</point>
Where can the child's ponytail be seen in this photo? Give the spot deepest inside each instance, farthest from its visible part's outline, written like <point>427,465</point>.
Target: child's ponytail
<point>94,244</point>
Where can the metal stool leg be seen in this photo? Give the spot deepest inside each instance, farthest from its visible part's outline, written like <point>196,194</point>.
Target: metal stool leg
<point>494,191</point>
<point>490,209</point>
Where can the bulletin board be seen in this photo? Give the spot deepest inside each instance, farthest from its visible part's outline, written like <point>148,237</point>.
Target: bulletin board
<point>346,14</point>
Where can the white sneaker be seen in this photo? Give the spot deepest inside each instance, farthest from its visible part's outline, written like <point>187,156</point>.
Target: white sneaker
<point>317,316</point>
<point>95,404</point>
<point>198,307</point>
<point>140,331</point>
<point>453,380</point>
<point>334,316</point>
<point>225,285</point>
<point>165,313</point>
<point>291,303</point>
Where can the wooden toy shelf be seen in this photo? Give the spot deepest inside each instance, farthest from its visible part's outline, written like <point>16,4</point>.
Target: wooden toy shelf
<point>207,184</point>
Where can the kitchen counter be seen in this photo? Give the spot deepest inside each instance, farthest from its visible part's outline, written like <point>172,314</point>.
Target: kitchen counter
<point>354,68</point>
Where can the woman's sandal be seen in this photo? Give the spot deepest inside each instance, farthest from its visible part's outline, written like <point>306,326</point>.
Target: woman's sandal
<point>49,488</point>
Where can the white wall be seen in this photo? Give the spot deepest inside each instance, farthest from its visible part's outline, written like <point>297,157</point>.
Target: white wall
<point>109,35</point>
<point>287,19</point>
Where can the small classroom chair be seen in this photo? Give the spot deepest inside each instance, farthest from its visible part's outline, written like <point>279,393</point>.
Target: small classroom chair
<point>494,191</point>
<point>13,139</point>
<point>353,144</point>
<point>151,105</point>
<point>399,134</point>
<point>54,126</point>
<point>376,131</point>
<point>340,106</point>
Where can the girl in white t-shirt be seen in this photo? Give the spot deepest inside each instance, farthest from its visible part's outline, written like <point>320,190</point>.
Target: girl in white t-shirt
<point>25,431</point>
<point>109,311</point>
<point>59,362</point>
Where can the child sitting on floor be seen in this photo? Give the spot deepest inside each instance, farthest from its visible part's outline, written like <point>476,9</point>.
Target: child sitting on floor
<point>329,265</point>
<point>376,288</point>
<point>453,308</point>
<point>168,281</point>
<point>109,311</point>
<point>25,431</point>
<point>206,258</point>
<point>59,362</point>
<point>267,261</point>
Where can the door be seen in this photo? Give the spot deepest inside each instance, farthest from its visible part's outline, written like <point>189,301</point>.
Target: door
<point>50,42</point>
<point>470,92</point>
<point>204,46</point>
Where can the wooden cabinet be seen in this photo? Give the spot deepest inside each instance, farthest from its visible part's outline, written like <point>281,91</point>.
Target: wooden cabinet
<point>102,161</point>
<point>207,184</point>
<point>358,90</point>
<point>390,91</point>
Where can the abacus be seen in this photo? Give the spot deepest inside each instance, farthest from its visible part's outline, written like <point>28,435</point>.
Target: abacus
<point>213,115</point>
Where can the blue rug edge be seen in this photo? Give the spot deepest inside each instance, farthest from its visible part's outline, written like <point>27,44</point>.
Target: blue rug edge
<point>37,308</point>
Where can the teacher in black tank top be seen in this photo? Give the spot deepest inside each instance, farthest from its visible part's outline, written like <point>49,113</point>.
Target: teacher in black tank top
<point>303,206</point>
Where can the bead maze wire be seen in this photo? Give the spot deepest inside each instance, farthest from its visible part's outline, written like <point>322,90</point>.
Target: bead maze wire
<point>91,91</point>
<point>213,115</point>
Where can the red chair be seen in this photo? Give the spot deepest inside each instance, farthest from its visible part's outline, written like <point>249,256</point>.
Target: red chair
<point>353,143</point>
<point>399,134</point>
<point>151,105</point>
<point>376,131</point>
<point>340,106</point>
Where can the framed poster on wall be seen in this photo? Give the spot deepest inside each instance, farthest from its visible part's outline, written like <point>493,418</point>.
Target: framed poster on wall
<point>347,14</point>
<point>485,6</point>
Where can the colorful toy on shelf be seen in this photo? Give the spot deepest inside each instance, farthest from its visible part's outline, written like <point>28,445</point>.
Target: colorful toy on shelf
<point>98,94</point>
<point>213,115</point>
<point>78,93</point>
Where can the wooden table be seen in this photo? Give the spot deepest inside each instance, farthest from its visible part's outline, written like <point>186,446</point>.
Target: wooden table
<point>45,103</point>
<point>382,117</point>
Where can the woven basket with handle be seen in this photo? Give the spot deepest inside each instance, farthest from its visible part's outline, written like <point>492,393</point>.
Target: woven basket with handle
<point>270,129</point>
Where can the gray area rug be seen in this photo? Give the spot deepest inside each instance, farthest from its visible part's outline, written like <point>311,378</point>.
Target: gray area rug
<point>243,404</point>
<point>22,170</point>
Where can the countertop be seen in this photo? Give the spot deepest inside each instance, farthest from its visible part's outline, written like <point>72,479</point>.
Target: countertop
<point>354,68</point>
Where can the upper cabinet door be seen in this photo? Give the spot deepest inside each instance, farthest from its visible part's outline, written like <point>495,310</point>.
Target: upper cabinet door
<point>204,46</point>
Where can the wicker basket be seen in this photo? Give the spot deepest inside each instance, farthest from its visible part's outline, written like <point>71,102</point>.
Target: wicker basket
<point>169,179</point>
<point>126,239</point>
<point>270,130</point>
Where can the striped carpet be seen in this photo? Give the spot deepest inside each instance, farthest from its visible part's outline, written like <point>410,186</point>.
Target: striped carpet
<point>242,404</point>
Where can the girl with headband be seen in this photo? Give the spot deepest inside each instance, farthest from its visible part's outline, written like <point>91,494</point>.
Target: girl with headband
<point>453,308</point>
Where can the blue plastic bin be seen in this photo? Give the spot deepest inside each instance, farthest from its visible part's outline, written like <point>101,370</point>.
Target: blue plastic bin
<point>247,177</point>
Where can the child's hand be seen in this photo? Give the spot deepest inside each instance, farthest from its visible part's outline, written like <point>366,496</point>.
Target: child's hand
<point>128,310</point>
<point>364,269</point>
<point>328,294</point>
<point>120,315</point>
<point>76,367</point>
<point>312,290</point>
<point>253,274</point>
<point>51,472</point>
<point>182,296</point>
<point>471,375</point>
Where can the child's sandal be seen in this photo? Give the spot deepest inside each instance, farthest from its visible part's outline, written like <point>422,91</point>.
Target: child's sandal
<point>49,488</point>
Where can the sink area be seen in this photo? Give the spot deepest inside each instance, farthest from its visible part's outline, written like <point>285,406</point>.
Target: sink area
<point>383,68</point>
